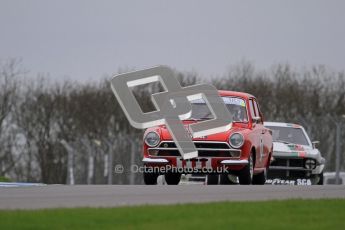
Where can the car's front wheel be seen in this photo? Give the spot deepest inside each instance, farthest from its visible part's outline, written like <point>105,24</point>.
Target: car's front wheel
<point>172,178</point>
<point>150,178</point>
<point>260,178</point>
<point>212,179</point>
<point>320,182</point>
<point>227,179</point>
<point>245,176</point>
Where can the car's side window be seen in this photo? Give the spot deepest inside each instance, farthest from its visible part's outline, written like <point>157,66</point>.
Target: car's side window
<point>252,111</point>
<point>257,110</point>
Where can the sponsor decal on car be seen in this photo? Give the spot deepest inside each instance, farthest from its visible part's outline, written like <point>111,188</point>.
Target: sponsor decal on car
<point>298,181</point>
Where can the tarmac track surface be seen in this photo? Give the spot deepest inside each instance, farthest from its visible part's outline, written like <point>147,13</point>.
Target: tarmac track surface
<point>64,196</point>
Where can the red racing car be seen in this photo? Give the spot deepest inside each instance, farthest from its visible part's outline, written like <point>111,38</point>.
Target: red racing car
<point>243,151</point>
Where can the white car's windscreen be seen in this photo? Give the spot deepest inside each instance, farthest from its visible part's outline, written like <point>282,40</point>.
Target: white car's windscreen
<point>235,105</point>
<point>288,135</point>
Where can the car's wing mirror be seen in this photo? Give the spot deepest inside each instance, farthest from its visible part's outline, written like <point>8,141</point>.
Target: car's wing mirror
<point>256,119</point>
<point>315,144</point>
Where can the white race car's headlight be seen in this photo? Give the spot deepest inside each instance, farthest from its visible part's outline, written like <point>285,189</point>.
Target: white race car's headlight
<point>236,140</point>
<point>152,139</point>
<point>310,164</point>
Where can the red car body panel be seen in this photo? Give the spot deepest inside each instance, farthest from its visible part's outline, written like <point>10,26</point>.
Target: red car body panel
<point>258,140</point>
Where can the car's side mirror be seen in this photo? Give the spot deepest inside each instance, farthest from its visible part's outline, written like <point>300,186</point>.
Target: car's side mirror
<point>315,144</point>
<point>256,119</point>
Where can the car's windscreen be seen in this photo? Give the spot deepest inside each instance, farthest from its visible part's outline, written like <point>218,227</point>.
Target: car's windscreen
<point>235,105</point>
<point>288,135</point>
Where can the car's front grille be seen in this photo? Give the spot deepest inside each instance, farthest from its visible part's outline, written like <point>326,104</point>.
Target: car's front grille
<point>205,149</point>
<point>210,145</point>
<point>288,168</point>
<point>288,162</point>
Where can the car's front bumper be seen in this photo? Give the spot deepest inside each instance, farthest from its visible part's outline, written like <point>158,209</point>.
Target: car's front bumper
<point>234,162</point>
<point>147,160</point>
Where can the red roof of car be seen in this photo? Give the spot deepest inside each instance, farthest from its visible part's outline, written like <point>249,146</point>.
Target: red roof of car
<point>234,93</point>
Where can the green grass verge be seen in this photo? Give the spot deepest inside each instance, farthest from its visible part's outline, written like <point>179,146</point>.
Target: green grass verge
<point>4,179</point>
<point>289,214</point>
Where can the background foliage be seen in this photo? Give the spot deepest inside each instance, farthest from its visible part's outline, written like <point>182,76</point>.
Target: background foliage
<point>51,131</point>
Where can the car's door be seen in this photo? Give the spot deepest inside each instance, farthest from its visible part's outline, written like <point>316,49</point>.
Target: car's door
<point>256,132</point>
<point>261,132</point>
<point>267,140</point>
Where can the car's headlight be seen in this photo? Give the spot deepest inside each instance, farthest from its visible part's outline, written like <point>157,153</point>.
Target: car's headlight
<point>236,140</point>
<point>310,164</point>
<point>152,139</point>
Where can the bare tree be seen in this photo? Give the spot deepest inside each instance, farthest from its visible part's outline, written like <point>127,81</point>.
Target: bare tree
<point>10,71</point>
<point>76,133</point>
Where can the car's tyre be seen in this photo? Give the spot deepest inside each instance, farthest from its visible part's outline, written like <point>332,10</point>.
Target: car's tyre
<point>245,176</point>
<point>320,179</point>
<point>212,179</point>
<point>227,179</point>
<point>150,178</point>
<point>172,178</point>
<point>260,178</point>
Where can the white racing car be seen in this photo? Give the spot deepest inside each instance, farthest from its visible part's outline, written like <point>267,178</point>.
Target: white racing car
<point>296,160</point>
